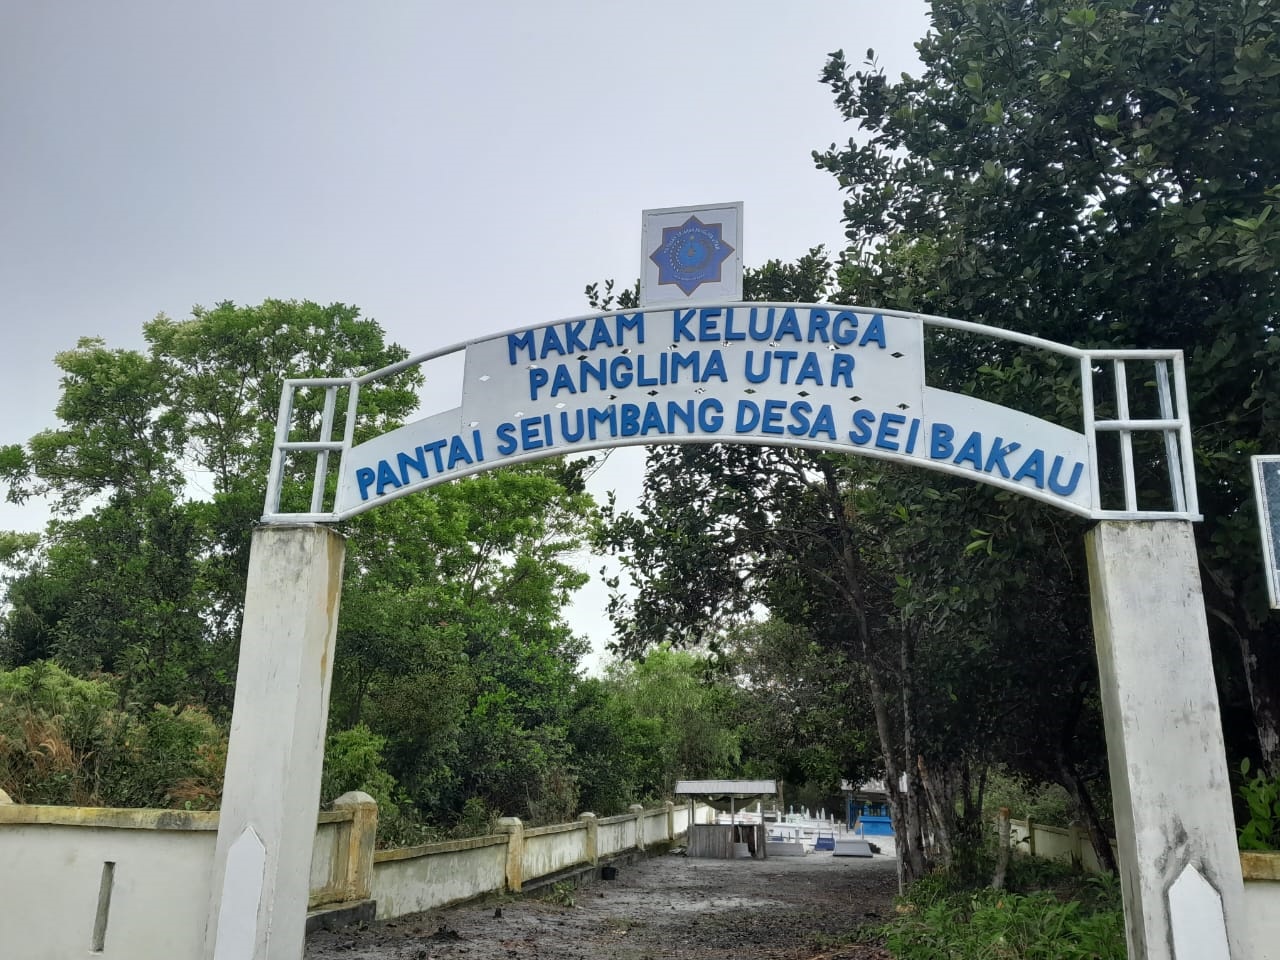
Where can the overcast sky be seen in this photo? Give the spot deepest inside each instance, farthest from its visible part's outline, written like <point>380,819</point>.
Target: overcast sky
<point>452,169</point>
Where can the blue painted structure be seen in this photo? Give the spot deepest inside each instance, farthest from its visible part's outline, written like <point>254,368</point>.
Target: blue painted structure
<point>871,818</point>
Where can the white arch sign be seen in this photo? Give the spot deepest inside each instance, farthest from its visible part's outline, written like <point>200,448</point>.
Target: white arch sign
<point>820,376</point>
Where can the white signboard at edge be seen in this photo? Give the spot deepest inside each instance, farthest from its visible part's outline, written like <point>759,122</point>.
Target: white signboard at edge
<point>820,376</point>
<point>1266,486</point>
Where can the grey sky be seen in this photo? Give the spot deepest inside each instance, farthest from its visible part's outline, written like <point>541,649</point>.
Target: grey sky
<point>452,169</point>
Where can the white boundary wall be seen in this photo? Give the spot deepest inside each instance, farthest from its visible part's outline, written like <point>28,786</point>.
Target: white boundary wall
<point>1262,904</point>
<point>52,873</point>
<point>59,898</point>
<point>438,874</point>
<point>421,878</point>
<point>50,886</point>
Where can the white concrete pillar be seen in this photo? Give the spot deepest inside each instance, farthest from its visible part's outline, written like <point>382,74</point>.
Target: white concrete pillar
<point>1179,868</point>
<point>637,811</point>
<point>261,868</point>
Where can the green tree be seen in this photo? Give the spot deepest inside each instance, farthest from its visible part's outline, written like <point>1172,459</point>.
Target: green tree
<point>137,575</point>
<point>805,719</point>
<point>115,587</point>
<point>456,675</point>
<point>225,369</point>
<point>692,709</point>
<point>615,749</point>
<point>117,439</point>
<point>1103,174</point>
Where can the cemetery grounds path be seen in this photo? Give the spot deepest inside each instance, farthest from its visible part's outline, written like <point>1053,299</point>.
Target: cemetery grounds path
<point>784,908</point>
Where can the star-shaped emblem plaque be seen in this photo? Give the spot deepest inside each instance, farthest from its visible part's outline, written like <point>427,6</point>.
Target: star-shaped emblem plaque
<point>691,254</point>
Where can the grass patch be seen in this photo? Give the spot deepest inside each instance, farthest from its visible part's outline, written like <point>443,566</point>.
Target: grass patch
<point>1053,913</point>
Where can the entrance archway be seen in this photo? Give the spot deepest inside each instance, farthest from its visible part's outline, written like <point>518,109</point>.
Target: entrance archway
<point>818,376</point>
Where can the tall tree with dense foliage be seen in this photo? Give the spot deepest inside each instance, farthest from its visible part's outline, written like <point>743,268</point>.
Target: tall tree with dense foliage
<point>1105,174</point>
<point>453,644</point>
<point>692,710</point>
<point>139,574</point>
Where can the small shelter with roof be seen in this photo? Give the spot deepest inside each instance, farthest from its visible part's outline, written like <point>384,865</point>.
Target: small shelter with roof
<point>744,835</point>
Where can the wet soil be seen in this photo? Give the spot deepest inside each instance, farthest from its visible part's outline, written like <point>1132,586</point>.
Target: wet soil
<point>792,908</point>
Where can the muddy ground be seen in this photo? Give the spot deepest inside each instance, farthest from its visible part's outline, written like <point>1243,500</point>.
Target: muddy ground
<point>792,908</point>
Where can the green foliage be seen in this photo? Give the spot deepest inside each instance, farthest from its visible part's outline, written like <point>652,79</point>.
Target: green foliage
<point>1045,803</point>
<point>864,570</point>
<point>65,740</point>
<point>803,717</point>
<point>614,749</point>
<point>1261,795</point>
<point>455,599</point>
<point>134,578</point>
<point>353,761</point>
<point>455,676</point>
<point>119,437</point>
<point>560,894</point>
<point>1061,915</point>
<point>176,759</point>
<point>1008,925</point>
<point>694,735</point>
<point>1102,175</point>
<point>477,819</point>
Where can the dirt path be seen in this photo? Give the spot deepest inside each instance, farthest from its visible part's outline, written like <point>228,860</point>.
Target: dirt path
<point>668,907</point>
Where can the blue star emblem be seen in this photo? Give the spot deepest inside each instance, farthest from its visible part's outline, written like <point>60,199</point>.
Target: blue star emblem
<point>691,254</point>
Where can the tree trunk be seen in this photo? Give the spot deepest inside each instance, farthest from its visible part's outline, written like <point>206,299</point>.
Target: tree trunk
<point>916,848</point>
<point>910,864</point>
<point>1084,803</point>
<point>904,816</point>
<point>941,802</point>
<point>1263,680</point>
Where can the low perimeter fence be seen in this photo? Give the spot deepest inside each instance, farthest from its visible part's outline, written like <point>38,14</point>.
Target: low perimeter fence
<point>135,884</point>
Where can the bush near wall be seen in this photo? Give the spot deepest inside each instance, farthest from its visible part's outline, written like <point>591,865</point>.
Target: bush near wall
<point>68,741</point>
<point>1049,912</point>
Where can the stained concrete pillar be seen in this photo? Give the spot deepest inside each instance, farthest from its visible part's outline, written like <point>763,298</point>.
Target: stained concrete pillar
<point>592,823</point>
<point>267,826</point>
<point>361,840</point>
<point>1179,868</point>
<point>514,829</point>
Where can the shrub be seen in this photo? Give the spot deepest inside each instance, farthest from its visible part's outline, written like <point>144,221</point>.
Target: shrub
<point>477,819</point>
<point>1008,925</point>
<point>66,740</point>
<point>178,759</point>
<point>353,761</point>
<point>1046,803</point>
<point>1262,796</point>
<point>1071,917</point>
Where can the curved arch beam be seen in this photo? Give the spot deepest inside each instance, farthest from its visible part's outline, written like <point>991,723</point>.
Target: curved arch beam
<point>816,376</point>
